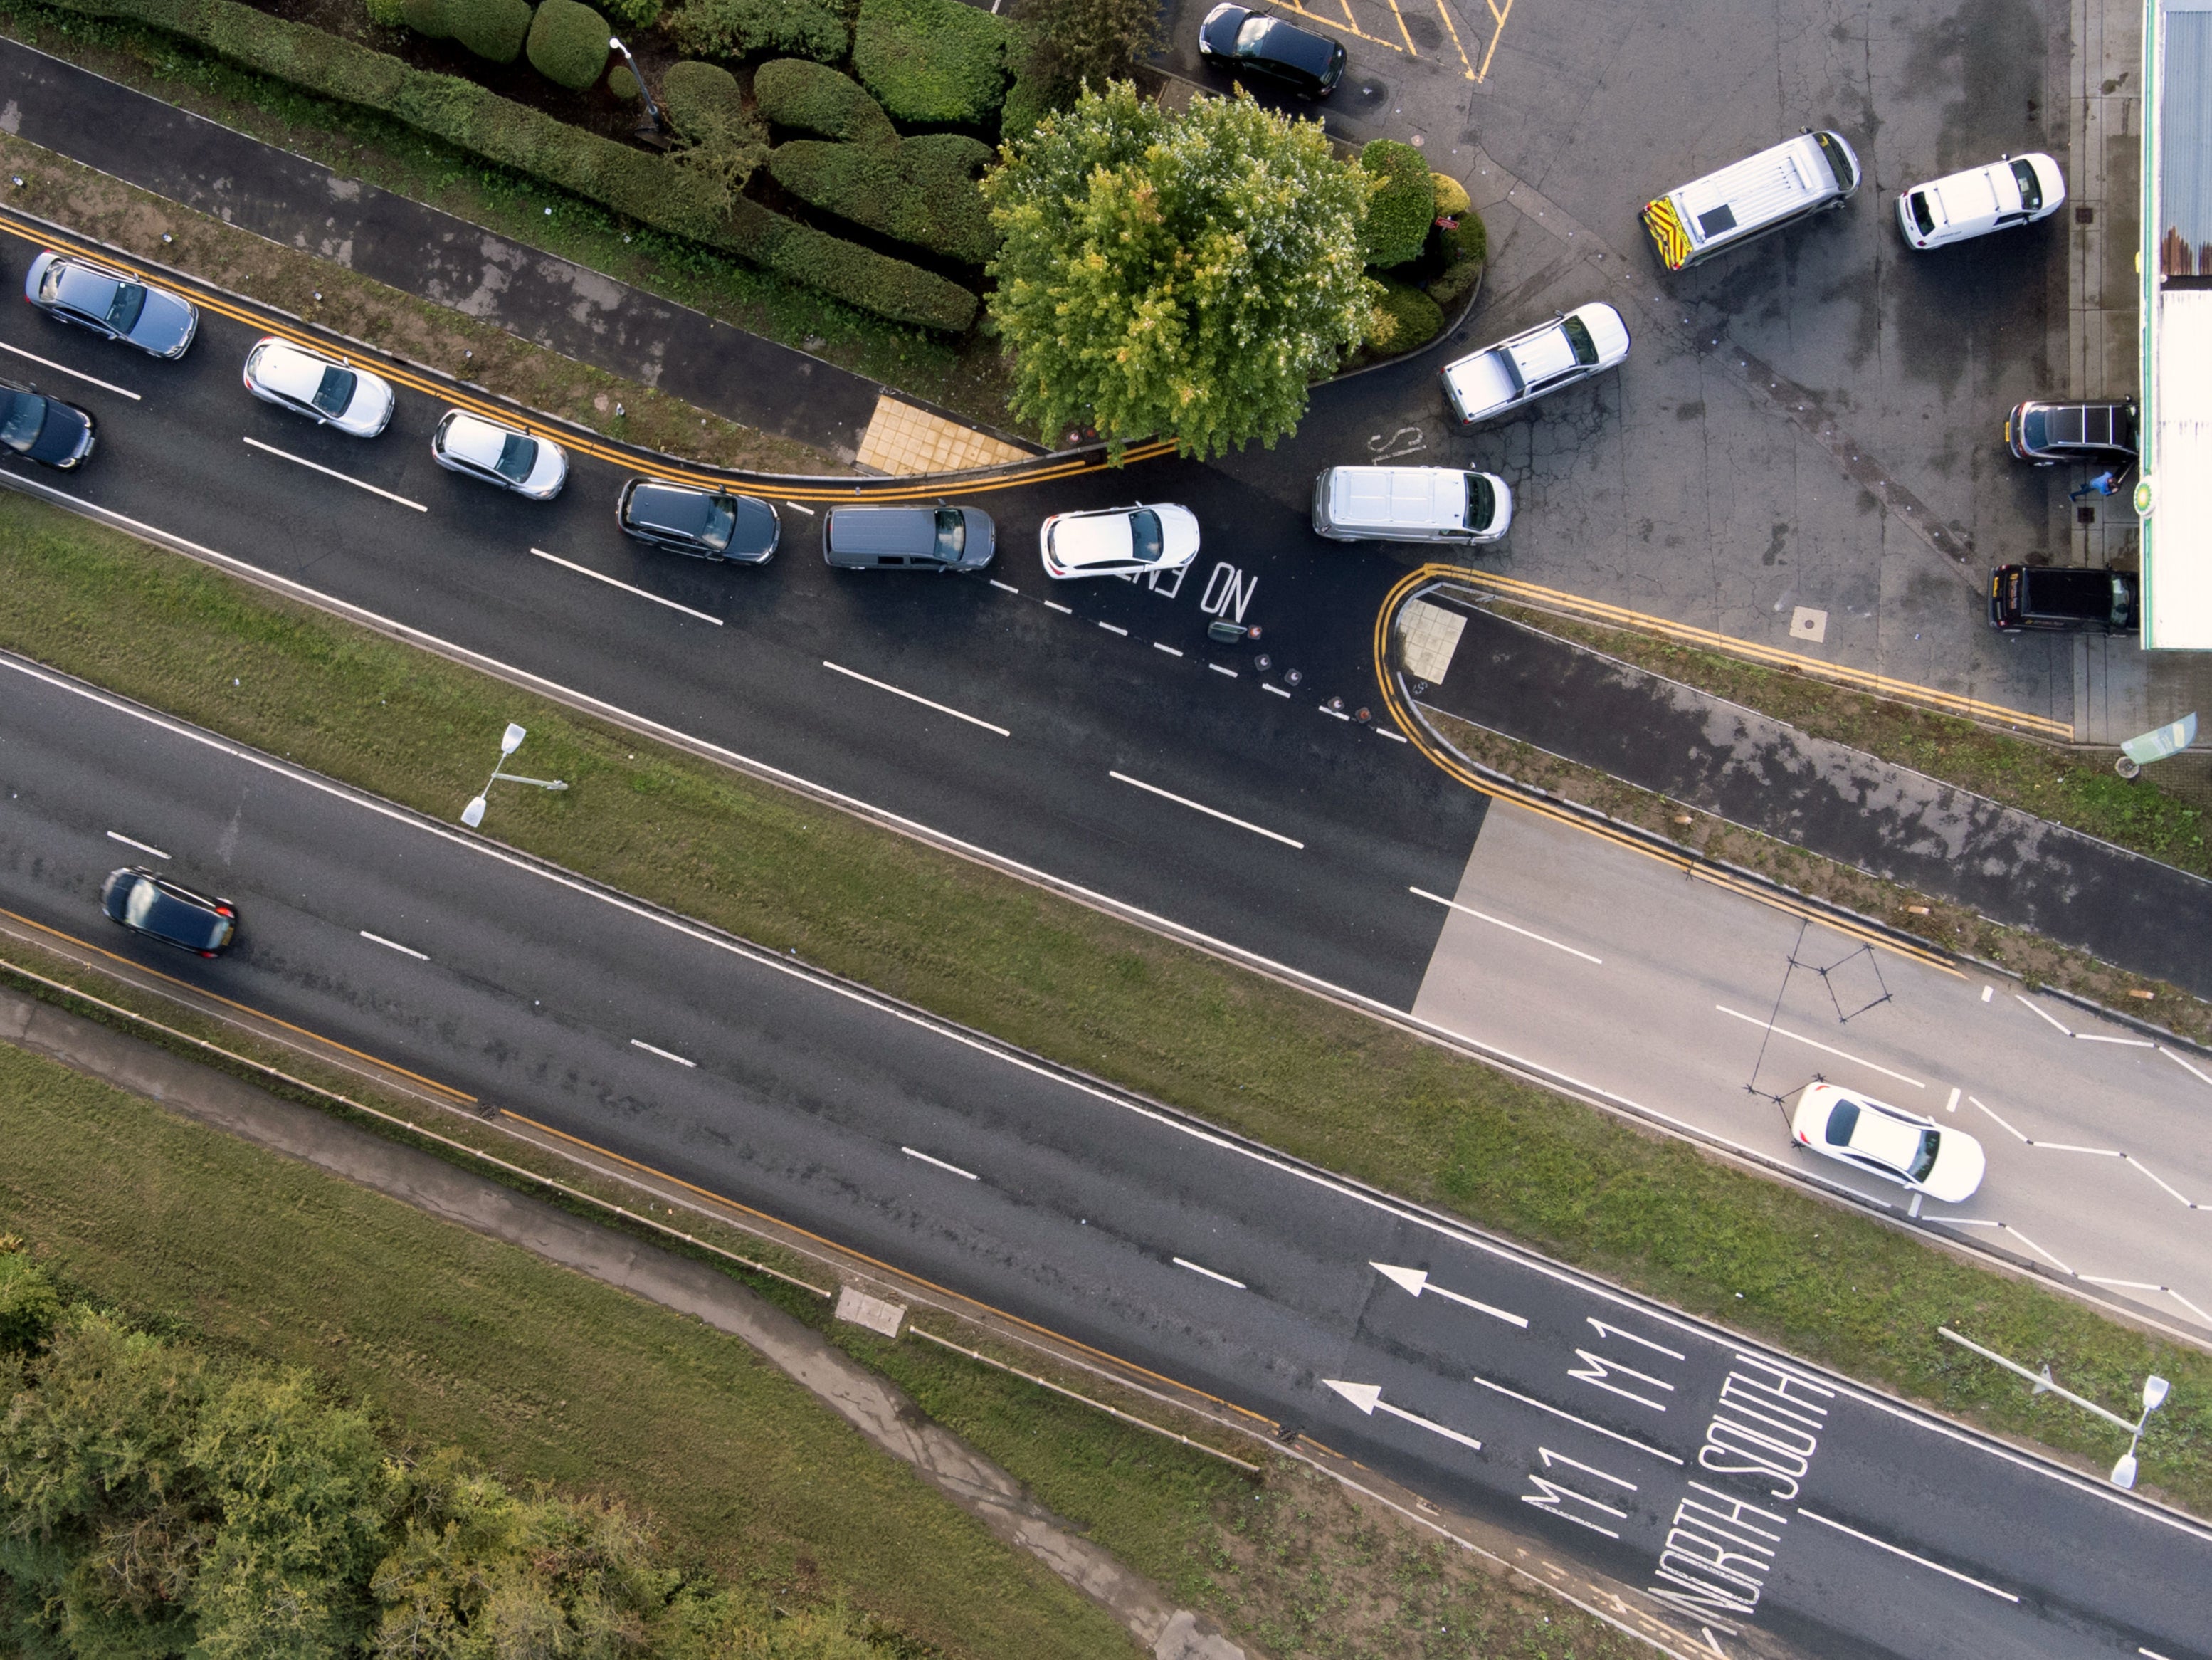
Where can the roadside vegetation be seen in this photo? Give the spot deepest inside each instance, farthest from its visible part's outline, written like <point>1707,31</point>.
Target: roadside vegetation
<point>1321,1082</point>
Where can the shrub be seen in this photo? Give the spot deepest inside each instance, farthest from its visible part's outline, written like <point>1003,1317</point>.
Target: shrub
<point>1404,317</point>
<point>794,93</point>
<point>634,13</point>
<point>724,142</point>
<point>1067,42</point>
<point>623,84</point>
<point>494,29</point>
<point>426,17</point>
<point>935,61</point>
<point>567,43</point>
<point>1451,196</point>
<point>1028,101</point>
<point>918,190</point>
<point>29,1305</point>
<point>391,13</point>
<point>737,29</point>
<point>860,276</point>
<point>1403,204</point>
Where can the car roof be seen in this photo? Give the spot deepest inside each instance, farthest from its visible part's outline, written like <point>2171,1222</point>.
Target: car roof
<point>1882,1135</point>
<point>472,438</point>
<point>86,286</point>
<point>679,508</point>
<point>286,368</point>
<point>1302,49</point>
<point>1542,353</point>
<point>1089,538</point>
<point>884,530</point>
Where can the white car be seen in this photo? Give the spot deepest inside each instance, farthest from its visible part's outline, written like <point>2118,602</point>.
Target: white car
<point>1118,541</point>
<point>325,391</point>
<point>1898,1146</point>
<point>1573,346</point>
<point>2013,190</point>
<point>500,454</point>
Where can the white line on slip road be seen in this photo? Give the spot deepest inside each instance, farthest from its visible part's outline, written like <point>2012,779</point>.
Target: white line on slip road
<point>911,1153</point>
<point>1952,1105</point>
<point>2183,1065</point>
<point>911,698</point>
<point>2061,1146</point>
<point>2171,1190</point>
<point>2000,1122</point>
<point>1114,628</point>
<point>1511,927</point>
<point>1217,669</point>
<point>1278,690</point>
<point>393,944</point>
<point>118,835</point>
<point>1169,650</point>
<point>1416,1280</point>
<point>1557,1412</point>
<point>1841,1054</point>
<point>1199,806</point>
<point>801,506</point>
<point>1896,1550</point>
<point>2038,1008</point>
<point>1338,714</point>
<point>2149,1654</point>
<point>1055,605</point>
<point>1394,737</point>
<point>640,1044</point>
<point>1004,587</point>
<point>333,472</point>
<point>1185,1262</point>
<point>120,391</point>
<point>585,570</point>
<point>2097,1037</point>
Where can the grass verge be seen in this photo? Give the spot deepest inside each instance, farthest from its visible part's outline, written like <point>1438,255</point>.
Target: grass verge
<point>1320,1082</point>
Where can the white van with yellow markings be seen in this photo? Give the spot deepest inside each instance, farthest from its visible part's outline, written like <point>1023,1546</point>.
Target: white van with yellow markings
<point>1750,198</point>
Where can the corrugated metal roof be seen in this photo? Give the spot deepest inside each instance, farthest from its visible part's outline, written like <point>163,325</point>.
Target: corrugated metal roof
<point>2185,240</point>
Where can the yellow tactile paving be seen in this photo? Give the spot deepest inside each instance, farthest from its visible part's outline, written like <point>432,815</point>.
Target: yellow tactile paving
<point>902,440</point>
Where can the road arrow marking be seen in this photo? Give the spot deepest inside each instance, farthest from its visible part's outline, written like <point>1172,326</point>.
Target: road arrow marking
<point>1368,1397</point>
<point>1416,1280</point>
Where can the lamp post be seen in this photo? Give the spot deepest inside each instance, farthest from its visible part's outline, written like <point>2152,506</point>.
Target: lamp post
<point>649,129</point>
<point>2153,1397</point>
<point>472,815</point>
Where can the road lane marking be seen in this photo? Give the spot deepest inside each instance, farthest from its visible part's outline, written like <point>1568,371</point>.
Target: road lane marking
<point>393,944</point>
<point>912,1152</point>
<point>1055,605</point>
<point>1113,629</point>
<point>1584,1423</point>
<point>333,472</point>
<point>1952,1105</point>
<point>2183,1065</point>
<point>1416,1280</point>
<point>1004,587</point>
<point>801,506</point>
<point>1185,1262</point>
<point>912,698</point>
<point>1217,669</point>
<point>1278,690</point>
<point>48,363</point>
<point>1841,1054</point>
<point>1338,714</point>
<point>2176,1193</point>
<point>2098,1037</point>
<point>1550,1457</point>
<point>1606,1330</point>
<point>1988,992</point>
<point>1199,806</point>
<point>585,570</point>
<point>1899,1550</point>
<point>1394,737</point>
<point>666,1055</point>
<point>2061,1147</point>
<point>1499,922</point>
<point>1368,1397</point>
<point>118,835</point>
<point>2036,1008</point>
<point>1169,650</point>
<point>2000,1123</point>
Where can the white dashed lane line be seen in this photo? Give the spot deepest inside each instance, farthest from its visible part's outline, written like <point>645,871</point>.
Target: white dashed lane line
<point>1217,669</point>
<point>1899,1550</point>
<point>801,506</point>
<point>1278,690</point>
<point>1055,605</point>
<point>1841,1054</point>
<point>47,362</point>
<point>1185,1262</point>
<point>666,1055</point>
<point>585,570</point>
<point>1499,922</point>
<point>393,944</point>
<point>331,472</point>
<point>1169,650</point>
<point>1004,587</point>
<point>914,1152</point>
<point>1200,806</point>
<point>912,698</point>
<point>1112,628</point>
<point>143,847</point>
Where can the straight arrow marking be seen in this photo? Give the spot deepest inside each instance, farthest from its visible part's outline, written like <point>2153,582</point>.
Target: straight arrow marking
<point>1368,1397</point>
<point>1416,1280</point>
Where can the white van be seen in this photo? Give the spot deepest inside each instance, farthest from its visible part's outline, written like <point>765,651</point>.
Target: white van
<point>1411,504</point>
<point>1762,193</point>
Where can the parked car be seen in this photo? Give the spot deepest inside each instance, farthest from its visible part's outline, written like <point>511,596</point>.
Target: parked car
<point>1898,1146</point>
<point>1411,504</point>
<point>1784,185</point>
<point>42,428</point>
<point>908,538</point>
<point>112,304</point>
<point>2013,190</point>
<point>702,523</point>
<point>147,903</point>
<point>2064,597</point>
<point>1246,41</point>
<point>314,384</point>
<point>500,454</point>
<point>1118,541</point>
<point>2047,433</point>
<point>1573,346</point>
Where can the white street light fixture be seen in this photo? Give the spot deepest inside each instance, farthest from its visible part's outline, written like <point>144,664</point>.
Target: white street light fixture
<point>511,740</point>
<point>2153,1396</point>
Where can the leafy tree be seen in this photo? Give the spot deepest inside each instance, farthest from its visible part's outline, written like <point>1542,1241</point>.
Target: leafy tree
<point>1072,42</point>
<point>1183,276</point>
<point>29,1305</point>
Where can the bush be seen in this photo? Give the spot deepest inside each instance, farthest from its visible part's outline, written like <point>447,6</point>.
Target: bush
<point>860,276</point>
<point>623,84</point>
<point>1068,42</point>
<point>724,142</point>
<point>1028,101</point>
<point>1403,204</point>
<point>426,17</point>
<point>29,1305</point>
<point>1451,196</point>
<point>918,190</point>
<point>1404,317</point>
<point>393,14</point>
<point>737,29</point>
<point>794,93</point>
<point>567,43</point>
<point>935,61</point>
<point>634,13</point>
<point>493,29</point>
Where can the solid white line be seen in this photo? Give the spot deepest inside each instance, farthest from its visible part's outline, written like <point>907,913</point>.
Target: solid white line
<point>2008,1129</point>
<point>1278,690</point>
<point>2037,1249</point>
<point>1435,1428</point>
<point>1055,605</point>
<point>2183,1065</point>
<point>912,1154</point>
<point>1560,1412</point>
<point>2061,1146</point>
<point>333,472</point>
<point>1338,713</point>
<point>800,505</point>
<point>1195,807</point>
<point>1004,587</point>
<point>2149,1654</point>
<point>1112,628</point>
<point>2125,1285</point>
<point>585,570</point>
<point>1184,1262</point>
<point>1394,737</point>
<point>2173,1191</point>
<point>2132,1042</point>
<point>1452,904</point>
<point>1217,669</point>
<point>2039,1009</point>
<point>118,835</point>
<point>911,698</point>
<point>393,944</point>
<point>1169,650</point>
<point>1895,1550</point>
<point>48,363</point>
<point>640,1044</point>
<point>1550,1457</point>
<point>1841,1054</point>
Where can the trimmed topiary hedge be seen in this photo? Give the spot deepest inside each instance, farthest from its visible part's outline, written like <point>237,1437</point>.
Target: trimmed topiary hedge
<point>493,29</point>
<point>1403,206</point>
<point>813,98</point>
<point>568,43</point>
<point>935,61</point>
<point>1466,250</point>
<point>1405,318</point>
<point>426,17</point>
<point>737,29</point>
<point>919,190</point>
<point>1451,196</point>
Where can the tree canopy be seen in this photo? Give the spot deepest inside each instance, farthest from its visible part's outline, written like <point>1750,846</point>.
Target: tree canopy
<point>1176,276</point>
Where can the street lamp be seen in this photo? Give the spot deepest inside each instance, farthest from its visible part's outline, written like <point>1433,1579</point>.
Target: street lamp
<point>2153,1397</point>
<point>472,815</point>
<point>648,129</point>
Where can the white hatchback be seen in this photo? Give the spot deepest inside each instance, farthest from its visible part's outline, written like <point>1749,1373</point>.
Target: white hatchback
<point>1898,1146</point>
<point>2013,190</point>
<point>1118,541</point>
<point>498,455</point>
<point>327,391</point>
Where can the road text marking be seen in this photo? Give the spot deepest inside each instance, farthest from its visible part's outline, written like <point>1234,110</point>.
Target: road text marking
<point>1198,806</point>
<point>118,835</point>
<point>912,1154</point>
<point>585,570</point>
<point>1185,1262</point>
<point>47,362</point>
<point>911,698</point>
<point>1495,921</point>
<point>1896,1550</point>
<point>393,944</point>
<point>640,1044</point>
<point>1841,1054</point>
<point>333,472</point>
<point>1557,1411</point>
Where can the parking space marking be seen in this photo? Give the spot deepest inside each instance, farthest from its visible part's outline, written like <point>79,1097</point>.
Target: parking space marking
<point>333,472</point>
<point>393,944</point>
<point>1185,1262</point>
<point>48,363</point>
<point>914,1152</point>
<point>1511,927</point>
<point>666,1055</point>
<point>1899,1550</point>
<point>912,698</point>
<point>1841,1054</point>
<point>585,570</point>
<point>1200,806</point>
<point>118,835</point>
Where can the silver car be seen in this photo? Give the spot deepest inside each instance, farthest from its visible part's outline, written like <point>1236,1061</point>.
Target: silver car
<point>500,454</point>
<point>111,304</point>
<point>314,384</point>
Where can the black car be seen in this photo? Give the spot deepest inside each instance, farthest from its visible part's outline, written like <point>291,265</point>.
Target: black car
<point>2046,433</point>
<point>111,304</point>
<point>42,428</point>
<point>152,905</point>
<point>908,538</point>
<point>705,524</point>
<point>2064,597</point>
<point>1241,40</point>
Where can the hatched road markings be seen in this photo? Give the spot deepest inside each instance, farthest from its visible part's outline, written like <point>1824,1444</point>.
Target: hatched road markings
<point>331,472</point>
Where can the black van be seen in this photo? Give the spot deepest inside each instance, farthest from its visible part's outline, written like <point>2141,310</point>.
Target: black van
<point>2064,597</point>
<point>908,538</point>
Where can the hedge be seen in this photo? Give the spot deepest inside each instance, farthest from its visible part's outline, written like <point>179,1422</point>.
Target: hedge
<point>632,182</point>
<point>1403,206</point>
<point>737,29</point>
<point>1451,196</point>
<point>1405,318</point>
<point>1466,250</point>
<point>935,61</point>
<point>918,190</point>
<point>423,16</point>
<point>493,29</point>
<point>567,43</point>
<point>705,104</point>
<point>794,93</point>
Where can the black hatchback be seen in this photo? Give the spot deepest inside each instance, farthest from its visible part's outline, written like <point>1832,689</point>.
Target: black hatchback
<point>2047,433</point>
<point>42,428</point>
<point>152,905</point>
<point>1240,40</point>
<point>705,524</point>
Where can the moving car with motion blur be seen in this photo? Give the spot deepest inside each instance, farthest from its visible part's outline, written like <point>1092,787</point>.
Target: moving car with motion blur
<point>1886,1141</point>
<point>312,383</point>
<point>111,304</point>
<point>149,904</point>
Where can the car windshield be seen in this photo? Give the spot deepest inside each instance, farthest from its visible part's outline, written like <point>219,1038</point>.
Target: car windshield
<point>1842,1122</point>
<point>335,391</point>
<point>2034,429</point>
<point>163,913</point>
<point>720,521</point>
<point>2031,187</point>
<point>21,415</point>
<point>1144,536</point>
<point>1578,338</point>
<point>1481,502</point>
<point>1839,162</point>
<point>1922,214</point>
<point>952,534</point>
<point>2120,606</point>
<point>123,310</point>
<point>1924,1160</point>
<point>516,458</point>
<point>1252,38</point>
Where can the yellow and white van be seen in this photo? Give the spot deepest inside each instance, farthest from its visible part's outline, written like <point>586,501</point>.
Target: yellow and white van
<point>1762,193</point>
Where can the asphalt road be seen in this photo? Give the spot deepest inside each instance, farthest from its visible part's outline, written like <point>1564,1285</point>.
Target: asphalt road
<point>1758,1502</point>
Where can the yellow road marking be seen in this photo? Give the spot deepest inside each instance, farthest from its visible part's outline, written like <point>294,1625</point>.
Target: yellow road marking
<point>1500,14</point>
<point>1444,12</point>
<point>1404,33</point>
<point>1350,28</point>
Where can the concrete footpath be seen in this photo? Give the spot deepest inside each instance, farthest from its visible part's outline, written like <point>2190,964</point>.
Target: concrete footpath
<point>881,1412</point>
<point>1843,803</point>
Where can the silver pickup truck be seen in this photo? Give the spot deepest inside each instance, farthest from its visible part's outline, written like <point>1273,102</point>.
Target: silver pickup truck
<point>1573,346</point>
